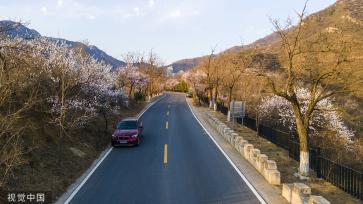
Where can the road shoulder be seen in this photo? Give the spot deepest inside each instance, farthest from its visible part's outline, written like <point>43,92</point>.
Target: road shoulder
<point>271,194</point>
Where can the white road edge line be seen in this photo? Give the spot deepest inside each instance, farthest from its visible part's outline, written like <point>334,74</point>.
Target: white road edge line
<point>258,196</point>
<point>104,156</point>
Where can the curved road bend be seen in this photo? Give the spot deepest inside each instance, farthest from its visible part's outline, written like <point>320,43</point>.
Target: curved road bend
<point>191,170</point>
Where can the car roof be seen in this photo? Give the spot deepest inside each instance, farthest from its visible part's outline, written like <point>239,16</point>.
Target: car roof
<point>130,119</point>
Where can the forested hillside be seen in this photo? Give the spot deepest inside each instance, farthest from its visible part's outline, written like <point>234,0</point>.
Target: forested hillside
<point>301,78</point>
<point>58,105</point>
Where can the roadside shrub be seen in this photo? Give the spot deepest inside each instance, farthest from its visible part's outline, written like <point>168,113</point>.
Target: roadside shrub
<point>181,87</point>
<point>139,96</point>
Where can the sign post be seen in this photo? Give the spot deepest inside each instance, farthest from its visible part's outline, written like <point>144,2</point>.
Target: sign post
<point>238,109</point>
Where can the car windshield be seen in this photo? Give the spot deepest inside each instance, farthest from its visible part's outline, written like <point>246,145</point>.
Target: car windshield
<point>131,124</point>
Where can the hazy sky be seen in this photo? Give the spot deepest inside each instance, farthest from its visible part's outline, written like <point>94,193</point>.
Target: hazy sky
<point>174,29</point>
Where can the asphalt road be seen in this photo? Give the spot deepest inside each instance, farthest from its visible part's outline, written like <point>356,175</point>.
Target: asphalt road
<point>192,170</point>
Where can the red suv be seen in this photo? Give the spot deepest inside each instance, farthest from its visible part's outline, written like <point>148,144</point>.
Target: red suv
<point>127,132</point>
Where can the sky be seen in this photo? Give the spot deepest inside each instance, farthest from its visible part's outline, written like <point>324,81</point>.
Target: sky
<point>173,29</point>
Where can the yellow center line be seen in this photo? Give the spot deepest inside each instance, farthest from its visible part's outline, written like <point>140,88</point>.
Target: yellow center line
<point>167,113</point>
<point>167,125</point>
<point>165,154</point>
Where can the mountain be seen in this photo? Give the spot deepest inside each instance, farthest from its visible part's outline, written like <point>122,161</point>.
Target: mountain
<point>263,42</point>
<point>343,16</point>
<point>18,30</point>
<point>185,64</point>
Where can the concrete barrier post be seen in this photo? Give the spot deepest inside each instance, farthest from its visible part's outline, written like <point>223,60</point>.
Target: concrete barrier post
<point>222,129</point>
<point>246,150</point>
<point>269,165</point>
<point>300,193</point>
<point>249,154</point>
<point>233,138</point>
<point>253,156</point>
<point>274,177</point>
<point>237,142</point>
<point>242,143</point>
<point>225,129</point>
<point>229,135</point>
<point>286,191</point>
<point>261,160</point>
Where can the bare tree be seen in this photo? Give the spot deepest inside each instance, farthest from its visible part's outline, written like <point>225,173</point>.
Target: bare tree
<point>320,63</point>
<point>207,67</point>
<point>17,96</point>
<point>235,67</point>
<point>152,66</point>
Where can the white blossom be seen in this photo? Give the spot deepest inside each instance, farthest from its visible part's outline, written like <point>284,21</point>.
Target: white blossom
<point>196,79</point>
<point>62,63</point>
<point>324,117</point>
<point>171,83</point>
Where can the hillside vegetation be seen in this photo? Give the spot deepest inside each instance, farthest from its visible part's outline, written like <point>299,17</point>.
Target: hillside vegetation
<point>341,23</point>
<point>313,70</point>
<point>58,105</point>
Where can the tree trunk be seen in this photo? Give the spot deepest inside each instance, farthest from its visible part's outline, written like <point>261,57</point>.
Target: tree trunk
<point>60,146</point>
<point>104,114</point>
<point>150,89</point>
<point>210,97</point>
<point>130,91</point>
<point>257,122</point>
<point>195,95</point>
<point>230,96</point>
<point>303,138</point>
<point>215,99</point>
<point>216,94</point>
